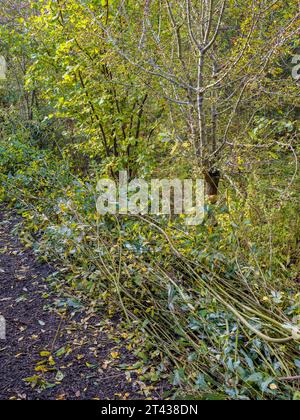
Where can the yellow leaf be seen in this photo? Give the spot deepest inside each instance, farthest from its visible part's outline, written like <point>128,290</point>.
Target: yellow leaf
<point>45,354</point>
<point>115,354</point>
<point>51,361</point>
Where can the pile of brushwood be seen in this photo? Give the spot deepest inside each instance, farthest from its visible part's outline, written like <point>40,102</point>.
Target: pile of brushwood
<point>218,322</point>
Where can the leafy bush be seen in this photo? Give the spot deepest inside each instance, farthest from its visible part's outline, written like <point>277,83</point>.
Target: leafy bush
<point>206,314</point>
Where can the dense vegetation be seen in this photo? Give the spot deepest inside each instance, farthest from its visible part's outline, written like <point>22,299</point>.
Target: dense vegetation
<point>165,89</point>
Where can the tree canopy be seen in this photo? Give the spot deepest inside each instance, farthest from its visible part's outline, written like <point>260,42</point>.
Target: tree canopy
<point>165,89</point>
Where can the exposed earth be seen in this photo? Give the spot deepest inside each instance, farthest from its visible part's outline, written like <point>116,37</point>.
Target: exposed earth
<point>52,351</point>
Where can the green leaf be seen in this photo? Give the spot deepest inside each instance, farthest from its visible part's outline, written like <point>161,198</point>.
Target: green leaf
<point>297,363</point>
<point>296,396</point>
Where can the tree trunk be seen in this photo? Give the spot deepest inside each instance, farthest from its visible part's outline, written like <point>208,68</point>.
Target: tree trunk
<point>212,180</point>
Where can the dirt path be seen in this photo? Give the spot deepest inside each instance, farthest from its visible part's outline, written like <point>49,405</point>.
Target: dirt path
<point>50,354</point>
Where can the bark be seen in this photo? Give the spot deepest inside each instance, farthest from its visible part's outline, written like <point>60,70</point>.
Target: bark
<point>212,181</point>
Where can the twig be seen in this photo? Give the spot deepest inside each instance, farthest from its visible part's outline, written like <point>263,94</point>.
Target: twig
<point>290,379</point>
<point>57,332</point>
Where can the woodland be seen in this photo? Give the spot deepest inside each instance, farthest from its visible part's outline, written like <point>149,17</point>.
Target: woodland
<point>161,89</point>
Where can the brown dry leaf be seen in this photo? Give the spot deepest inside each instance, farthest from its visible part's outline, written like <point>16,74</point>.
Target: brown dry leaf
<point>106,364</point>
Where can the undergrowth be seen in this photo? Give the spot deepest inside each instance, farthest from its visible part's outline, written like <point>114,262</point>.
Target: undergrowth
<point>216,321</point>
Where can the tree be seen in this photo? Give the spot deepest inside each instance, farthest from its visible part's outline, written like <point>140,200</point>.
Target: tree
<point>16,47</point>
<point>208,58</point>
<point>90,89</point>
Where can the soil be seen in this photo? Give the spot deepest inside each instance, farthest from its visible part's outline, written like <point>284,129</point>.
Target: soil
<point>49,354</point>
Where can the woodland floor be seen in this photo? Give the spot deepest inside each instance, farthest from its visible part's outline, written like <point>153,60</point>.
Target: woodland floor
<point>48,355</point>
